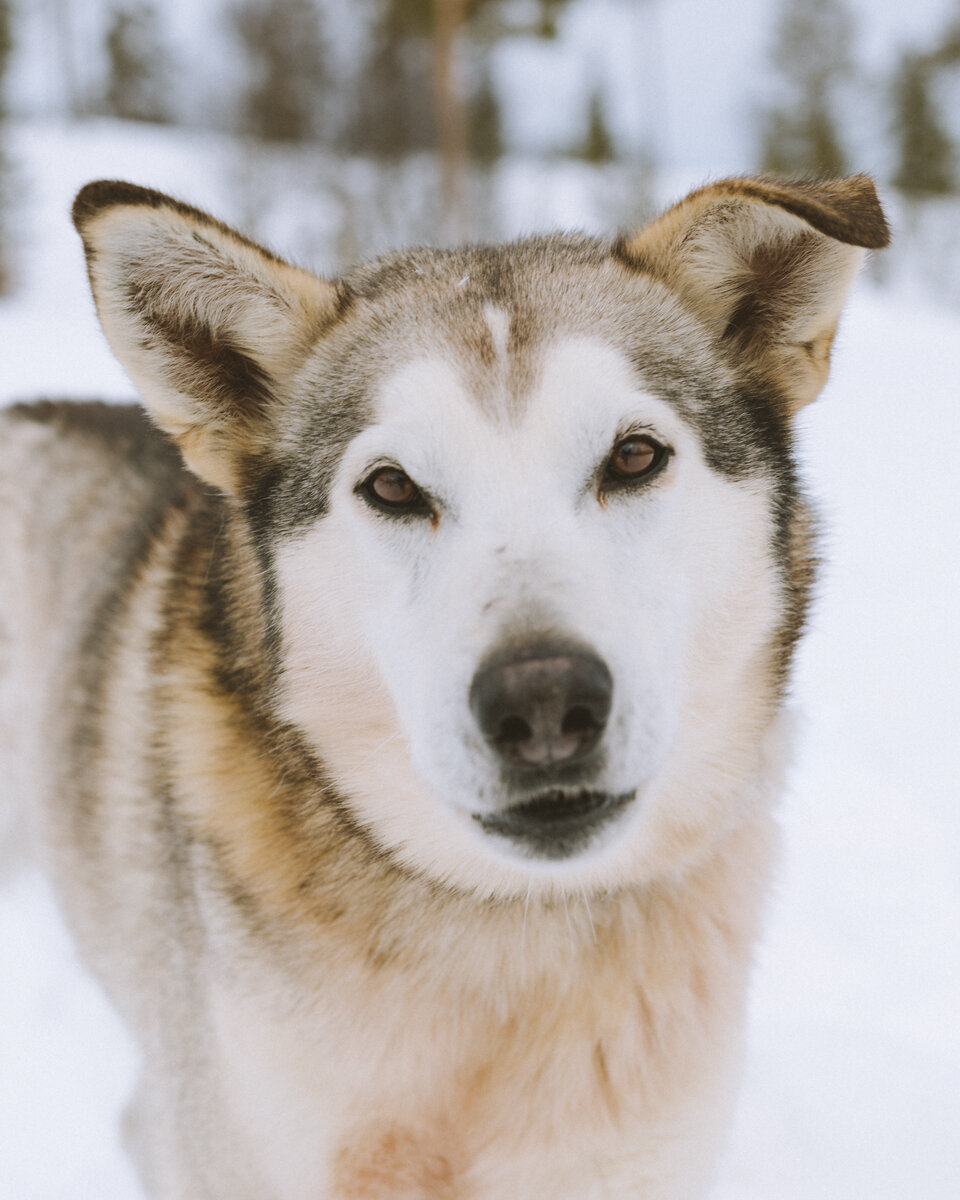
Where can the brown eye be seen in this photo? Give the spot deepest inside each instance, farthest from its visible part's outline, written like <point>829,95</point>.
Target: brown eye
<point>393,486</point>
<point>635,457</point>
<point>392,490</point>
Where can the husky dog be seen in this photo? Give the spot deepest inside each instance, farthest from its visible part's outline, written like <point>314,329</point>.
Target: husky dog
<point>403,711</point>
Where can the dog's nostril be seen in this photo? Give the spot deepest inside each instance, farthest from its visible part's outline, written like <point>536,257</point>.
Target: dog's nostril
<point>514,730</point>
<point>580,720</point>
<point>541,706</point>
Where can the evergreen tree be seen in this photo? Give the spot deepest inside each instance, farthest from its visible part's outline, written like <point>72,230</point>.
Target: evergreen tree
<point>947,53</point>
<point>812,52</point>
<point>547,17</point>
<point>926,156</point>
<point>393,107</point>
<point>483,119</point>
<point>597,146</point>
<point>138,66</point>
<point>411,96</point>
<point>398,108</point>
<point>6,49</point>
<point>287,51</point>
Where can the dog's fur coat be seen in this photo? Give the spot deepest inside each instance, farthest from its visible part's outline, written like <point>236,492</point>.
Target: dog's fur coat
<point>366,954</point>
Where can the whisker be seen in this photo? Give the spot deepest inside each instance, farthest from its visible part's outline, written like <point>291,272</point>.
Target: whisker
<point>566,910</point>
<point>376,750</point>
<point>523,935</point>
<point>586,905</point>
<point>213,547</point>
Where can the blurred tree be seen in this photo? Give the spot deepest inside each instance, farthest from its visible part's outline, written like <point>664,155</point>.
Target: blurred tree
<point>485,141</point>
<point>392,108</point>
<point>548,13</point>
<point>395,111</point>
<point>947,53</point>
<point>138,66</point>
<point>449,16</point>
<point>6,49</point>
<point>287,51</point>
<point>926,155</point>
<point>597,146</point>
<point>812,53</point>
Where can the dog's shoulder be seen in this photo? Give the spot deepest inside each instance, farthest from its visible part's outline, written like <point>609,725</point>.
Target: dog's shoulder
<point>80,483</point>
<point>64,428</point>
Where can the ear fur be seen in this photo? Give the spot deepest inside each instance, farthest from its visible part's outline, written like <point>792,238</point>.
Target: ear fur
<point>766,265</point>
<point>208,325</point>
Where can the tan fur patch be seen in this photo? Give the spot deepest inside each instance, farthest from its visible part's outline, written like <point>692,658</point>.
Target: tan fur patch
<point>397,1164</point>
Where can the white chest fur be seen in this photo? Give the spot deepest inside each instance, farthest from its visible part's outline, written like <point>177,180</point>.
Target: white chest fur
<point>597,1063</point>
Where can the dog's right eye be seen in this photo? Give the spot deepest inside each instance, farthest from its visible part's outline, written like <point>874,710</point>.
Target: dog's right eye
<point>391,490</point>
<point>634,460</point>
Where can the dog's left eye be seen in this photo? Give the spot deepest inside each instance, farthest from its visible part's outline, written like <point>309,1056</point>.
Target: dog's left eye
<point>390,489</point>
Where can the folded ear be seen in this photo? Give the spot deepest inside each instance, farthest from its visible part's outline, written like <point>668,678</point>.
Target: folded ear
<point>208,325</point>
<point>766,266</point>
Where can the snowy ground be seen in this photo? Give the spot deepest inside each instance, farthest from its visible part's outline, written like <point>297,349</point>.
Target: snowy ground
<point>853,1081</point>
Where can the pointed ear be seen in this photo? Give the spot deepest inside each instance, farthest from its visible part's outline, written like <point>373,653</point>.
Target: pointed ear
<point>208,325</point>
<point>766,266</point>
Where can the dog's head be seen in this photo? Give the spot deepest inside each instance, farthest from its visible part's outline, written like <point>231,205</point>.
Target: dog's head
<point>537,554</point>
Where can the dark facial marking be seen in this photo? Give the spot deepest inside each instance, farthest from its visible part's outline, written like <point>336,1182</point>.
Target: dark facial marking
<point>201,362</point>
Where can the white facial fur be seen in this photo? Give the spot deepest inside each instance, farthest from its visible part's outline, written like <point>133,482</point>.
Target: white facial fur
<point>671,583</point>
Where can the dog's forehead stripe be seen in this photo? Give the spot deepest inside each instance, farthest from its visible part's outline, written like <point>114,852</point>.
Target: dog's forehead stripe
<point>495,374</point>
<point>498,323</point>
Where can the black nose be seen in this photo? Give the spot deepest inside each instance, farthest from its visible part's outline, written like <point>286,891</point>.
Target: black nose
<point>542,706</point>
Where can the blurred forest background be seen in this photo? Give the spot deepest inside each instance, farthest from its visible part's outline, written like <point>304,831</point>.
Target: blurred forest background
<point>419,119</point>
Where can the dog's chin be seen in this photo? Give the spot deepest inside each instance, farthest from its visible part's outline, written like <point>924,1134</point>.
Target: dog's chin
<point>556,824</point>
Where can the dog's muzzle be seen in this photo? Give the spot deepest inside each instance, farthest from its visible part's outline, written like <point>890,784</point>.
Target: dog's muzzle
<point>543,709</point>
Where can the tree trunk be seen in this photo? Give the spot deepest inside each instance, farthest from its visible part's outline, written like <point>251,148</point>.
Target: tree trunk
<point>451,118</point>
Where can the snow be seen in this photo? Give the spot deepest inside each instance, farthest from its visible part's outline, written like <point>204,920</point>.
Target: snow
<point>852,1087</point>
<point>853,1084</point>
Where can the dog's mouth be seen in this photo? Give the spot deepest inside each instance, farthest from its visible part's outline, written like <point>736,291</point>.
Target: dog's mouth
<point>556,823</point>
